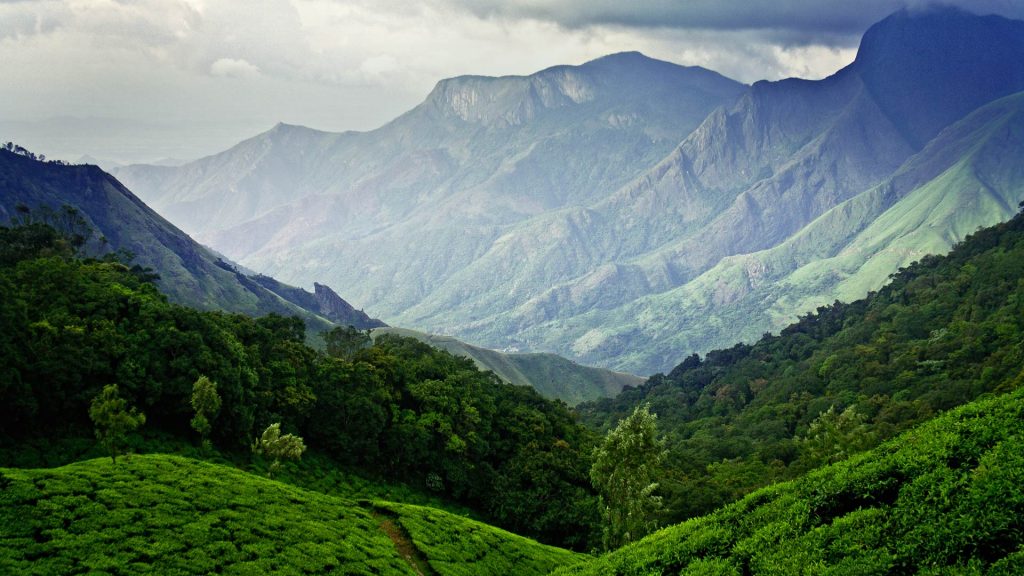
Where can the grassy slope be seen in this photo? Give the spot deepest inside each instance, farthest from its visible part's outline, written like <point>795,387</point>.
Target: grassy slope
<point>947,497</point>
<point>170,515</point>
<point>969,177</point>
<point>551,375</point>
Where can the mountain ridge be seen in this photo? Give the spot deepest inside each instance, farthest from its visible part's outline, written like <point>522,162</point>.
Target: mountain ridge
<point>558,223</point>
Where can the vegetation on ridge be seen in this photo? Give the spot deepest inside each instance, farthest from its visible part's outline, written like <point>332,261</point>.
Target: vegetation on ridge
<point>945,498</point>
<point>943,332</point>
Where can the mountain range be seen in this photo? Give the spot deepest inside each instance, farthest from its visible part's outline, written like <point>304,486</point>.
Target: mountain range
<point>628,211</point>
<point>196,276</point>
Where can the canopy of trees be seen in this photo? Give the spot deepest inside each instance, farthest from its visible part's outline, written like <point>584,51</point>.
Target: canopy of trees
<point>399,408</point>
<point>946,330</point>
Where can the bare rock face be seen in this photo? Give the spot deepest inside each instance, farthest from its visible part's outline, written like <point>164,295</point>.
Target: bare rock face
<point>337,310</point>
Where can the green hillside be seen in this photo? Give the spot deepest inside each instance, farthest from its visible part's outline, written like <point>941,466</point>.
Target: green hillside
<point>943,332</point>
<point>945,498</point>
<point>170,515</point>
<point>553,376</point>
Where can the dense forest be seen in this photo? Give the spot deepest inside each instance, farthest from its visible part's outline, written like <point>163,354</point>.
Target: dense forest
<point>944,331</point>
<point>399,409</point>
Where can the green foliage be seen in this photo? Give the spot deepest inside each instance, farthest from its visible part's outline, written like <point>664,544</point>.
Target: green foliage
<point>945,331</point>
<point>625,467</point>
<point>456,546</point>
<point>277,447</point>
<point>346,342</point>
<point>206,404</point>
<point>170,515</point>
<point>944,498</point>
<point>399,410</point>
<point>114,419</point>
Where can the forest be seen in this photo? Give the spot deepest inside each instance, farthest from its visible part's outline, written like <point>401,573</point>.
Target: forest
<point>837,384</point>
<point>397,409</point>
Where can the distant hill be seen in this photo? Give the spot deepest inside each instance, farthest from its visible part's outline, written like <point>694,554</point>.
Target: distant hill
<point>189,273</point>
<point>167,514</point>
<point>551,375</point>
<point>945,498</point>
<point>626,212</point>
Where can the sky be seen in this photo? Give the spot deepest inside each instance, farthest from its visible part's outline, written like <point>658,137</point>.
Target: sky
<point>146,80</point>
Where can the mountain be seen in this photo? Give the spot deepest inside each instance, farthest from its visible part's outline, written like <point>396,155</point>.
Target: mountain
<point>167,514</point>
<point>587,210</point>
<point>943,498</point>
<point>553,376</point>
<point>402,209</point>
<point>189,273</point>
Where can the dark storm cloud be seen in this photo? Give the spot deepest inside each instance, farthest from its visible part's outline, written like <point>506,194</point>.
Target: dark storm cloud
<point>791,21</point>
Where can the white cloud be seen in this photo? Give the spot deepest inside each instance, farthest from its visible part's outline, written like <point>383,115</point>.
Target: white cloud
<point>234,68</point>
<point>355,64</point>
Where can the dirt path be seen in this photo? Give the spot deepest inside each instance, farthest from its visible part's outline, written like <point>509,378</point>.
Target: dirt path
<point>404,545</point>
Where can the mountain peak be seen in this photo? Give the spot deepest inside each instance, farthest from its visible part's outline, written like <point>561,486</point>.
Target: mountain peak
<point>929,67</point>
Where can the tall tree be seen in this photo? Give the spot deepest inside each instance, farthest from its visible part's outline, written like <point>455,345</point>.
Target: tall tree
<point>277,447</point>
<point>114,419</point>
<point>206,403</point>
<point>624,471</point>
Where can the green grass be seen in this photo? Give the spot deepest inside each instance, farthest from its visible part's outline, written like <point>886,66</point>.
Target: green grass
<point>456,546</point>
<point>945,498</point>
<point>164,514</point>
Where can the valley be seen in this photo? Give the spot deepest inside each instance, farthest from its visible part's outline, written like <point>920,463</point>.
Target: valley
<point>620,317</point>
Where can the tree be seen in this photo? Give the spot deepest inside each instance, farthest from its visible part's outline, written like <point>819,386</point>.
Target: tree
<point>835,436</point>
<point>624,469</point>
<point>345,342</point>
<point>206,403</point>
<point>277,447</point>
<point>114,419</point>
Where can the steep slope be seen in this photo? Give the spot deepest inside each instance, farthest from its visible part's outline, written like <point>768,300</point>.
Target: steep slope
<point>631,282</point>
<point>189,273</point>
<point>399,210</point>
<point>171,515</point>
<point>968,177</point>
<point>945,331</point>
<point>943,498</point>
<point>574,211</point>
<point>553,376</point>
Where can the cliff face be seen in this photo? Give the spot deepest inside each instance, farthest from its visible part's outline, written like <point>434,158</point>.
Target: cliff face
<point>337,310</point>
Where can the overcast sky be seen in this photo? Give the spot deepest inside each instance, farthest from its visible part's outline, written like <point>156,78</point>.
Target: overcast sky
<point>137,80</point>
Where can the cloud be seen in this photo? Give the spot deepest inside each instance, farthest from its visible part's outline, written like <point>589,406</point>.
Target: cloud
<point>800,21</point>
<point>234,68</point>
<point>355,64</point>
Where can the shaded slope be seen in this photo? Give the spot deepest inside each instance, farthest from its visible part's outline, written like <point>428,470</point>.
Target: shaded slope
<point>551,375</point>
<point>619,284</point>
<point>171,515</point>
<point>189,273</point>
<point>399,210</point>
<point>946,496</point>
<point>968,177</point>
<point>578,209</point>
